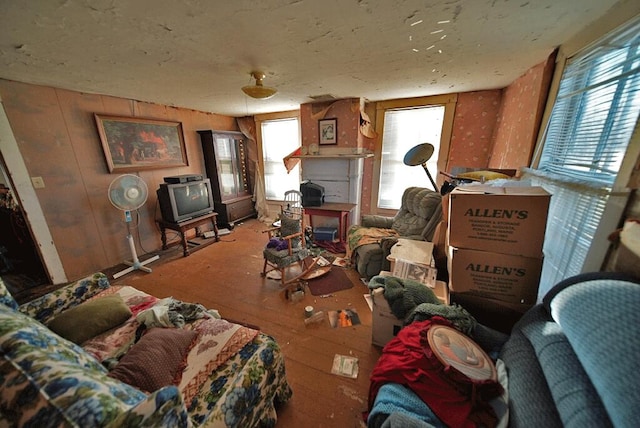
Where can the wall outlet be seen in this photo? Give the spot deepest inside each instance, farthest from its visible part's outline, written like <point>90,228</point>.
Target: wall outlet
<point>38,182</point>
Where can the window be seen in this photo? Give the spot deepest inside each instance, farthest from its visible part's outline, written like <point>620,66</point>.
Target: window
<point>279,138</point>
<point>588,134</point>
<point>404,129</point>
<point>403,125</point>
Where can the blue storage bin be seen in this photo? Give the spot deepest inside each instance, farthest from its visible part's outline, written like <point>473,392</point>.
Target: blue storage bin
<point>325,233</point>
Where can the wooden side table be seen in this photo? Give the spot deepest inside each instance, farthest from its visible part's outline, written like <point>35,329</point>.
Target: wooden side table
<point>333,209</point>
<point>182,227</point>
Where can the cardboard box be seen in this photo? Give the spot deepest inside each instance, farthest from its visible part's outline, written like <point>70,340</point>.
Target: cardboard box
<point>497,314</point>
<point>385,326</point>
<point>505,277</point>
<point>508,220</point>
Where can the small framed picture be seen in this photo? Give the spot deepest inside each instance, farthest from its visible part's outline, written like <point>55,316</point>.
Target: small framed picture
<point>328,129</point>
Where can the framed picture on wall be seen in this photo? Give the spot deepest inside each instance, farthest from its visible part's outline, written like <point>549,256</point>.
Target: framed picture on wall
<point>328,129</point>
<point>136,144</point>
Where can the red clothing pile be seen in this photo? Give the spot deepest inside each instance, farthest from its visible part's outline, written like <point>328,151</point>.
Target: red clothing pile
<point>455,398</point>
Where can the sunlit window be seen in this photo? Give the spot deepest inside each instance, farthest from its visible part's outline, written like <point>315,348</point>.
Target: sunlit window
<point>404,129</point>
<point>279,138</point>
<point>589,132</point>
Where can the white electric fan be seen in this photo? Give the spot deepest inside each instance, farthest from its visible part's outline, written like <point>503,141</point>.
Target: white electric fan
<point>129,192</point>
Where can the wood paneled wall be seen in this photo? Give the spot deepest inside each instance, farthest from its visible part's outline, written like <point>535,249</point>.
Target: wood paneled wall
<point>58,139</point>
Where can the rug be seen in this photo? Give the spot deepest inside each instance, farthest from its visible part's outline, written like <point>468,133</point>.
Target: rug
<point>335,280</point>
<point>332,247</point>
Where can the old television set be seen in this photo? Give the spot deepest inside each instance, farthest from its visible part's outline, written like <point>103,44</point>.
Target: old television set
<point>184,201</point>
<point>312,194</point>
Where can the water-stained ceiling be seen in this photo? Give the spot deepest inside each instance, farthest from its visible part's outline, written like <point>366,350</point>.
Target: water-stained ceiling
<point>198,53</point>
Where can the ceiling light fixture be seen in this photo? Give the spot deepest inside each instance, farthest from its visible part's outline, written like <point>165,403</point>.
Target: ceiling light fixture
<point>258,90</point>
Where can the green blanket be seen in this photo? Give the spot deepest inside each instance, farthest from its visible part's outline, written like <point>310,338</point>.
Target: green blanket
<point>412,301</point>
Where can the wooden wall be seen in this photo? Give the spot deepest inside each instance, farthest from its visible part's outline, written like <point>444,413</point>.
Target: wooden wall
<point>58,139</point>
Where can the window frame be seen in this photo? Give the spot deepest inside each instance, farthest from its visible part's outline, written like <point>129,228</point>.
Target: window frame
<point>449,102</point>
<point>259,118</point>
<point>620,192</point>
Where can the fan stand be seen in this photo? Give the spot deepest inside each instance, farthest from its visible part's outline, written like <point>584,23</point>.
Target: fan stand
<point>135,264</point>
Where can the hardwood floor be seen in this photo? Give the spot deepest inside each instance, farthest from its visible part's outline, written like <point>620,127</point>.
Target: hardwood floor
<point>226,276</point>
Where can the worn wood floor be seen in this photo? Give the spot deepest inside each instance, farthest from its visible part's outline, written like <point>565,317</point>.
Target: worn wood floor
<point>226,276</point>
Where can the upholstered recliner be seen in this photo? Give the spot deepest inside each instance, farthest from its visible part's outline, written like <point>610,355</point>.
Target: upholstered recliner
<point>369,243</point>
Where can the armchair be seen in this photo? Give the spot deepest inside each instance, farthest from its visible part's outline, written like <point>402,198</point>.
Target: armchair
<point>369,243</point>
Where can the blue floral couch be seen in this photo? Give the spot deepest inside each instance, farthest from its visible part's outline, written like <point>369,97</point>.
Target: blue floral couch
<point>225,375</point>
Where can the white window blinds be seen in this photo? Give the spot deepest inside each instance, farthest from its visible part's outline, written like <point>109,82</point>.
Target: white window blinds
<point>588,134</point>
<point>403,129</point>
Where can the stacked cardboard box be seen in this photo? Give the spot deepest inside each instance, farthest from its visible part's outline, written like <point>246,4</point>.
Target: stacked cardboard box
<point>494,242</point>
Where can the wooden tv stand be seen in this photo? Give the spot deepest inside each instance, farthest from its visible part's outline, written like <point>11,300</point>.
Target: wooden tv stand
<point>182,227</point>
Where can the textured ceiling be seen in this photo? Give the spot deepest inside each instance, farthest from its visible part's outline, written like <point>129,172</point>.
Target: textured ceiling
<point>199,53</point>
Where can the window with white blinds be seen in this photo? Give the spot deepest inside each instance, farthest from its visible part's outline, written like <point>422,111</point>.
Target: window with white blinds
<point>279,138</point>
<point>403,129</point>
<point>589,132</point>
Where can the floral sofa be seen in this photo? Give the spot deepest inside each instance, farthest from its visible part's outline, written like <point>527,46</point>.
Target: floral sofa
<point>189,367</point>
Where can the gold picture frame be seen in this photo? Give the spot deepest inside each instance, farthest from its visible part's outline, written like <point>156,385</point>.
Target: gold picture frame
<point>136,144</point>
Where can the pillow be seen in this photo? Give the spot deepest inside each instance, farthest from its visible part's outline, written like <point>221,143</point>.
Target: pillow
<point>91,318</point>
<point>290,226</point>
<point>157,360</point>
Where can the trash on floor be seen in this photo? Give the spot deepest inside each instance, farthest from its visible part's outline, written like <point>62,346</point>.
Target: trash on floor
<point>344,365</point>
<point>343,318</point>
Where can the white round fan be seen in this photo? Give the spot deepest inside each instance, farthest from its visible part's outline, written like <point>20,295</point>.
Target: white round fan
<point>129,192</point>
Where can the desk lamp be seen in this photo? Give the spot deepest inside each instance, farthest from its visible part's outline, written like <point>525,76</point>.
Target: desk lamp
<point>419,155</point>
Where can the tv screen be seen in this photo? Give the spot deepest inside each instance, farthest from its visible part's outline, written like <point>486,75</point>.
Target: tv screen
<point>184,201</point>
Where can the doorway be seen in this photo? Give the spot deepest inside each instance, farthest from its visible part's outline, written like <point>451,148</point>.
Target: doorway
<point>21,267</point>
